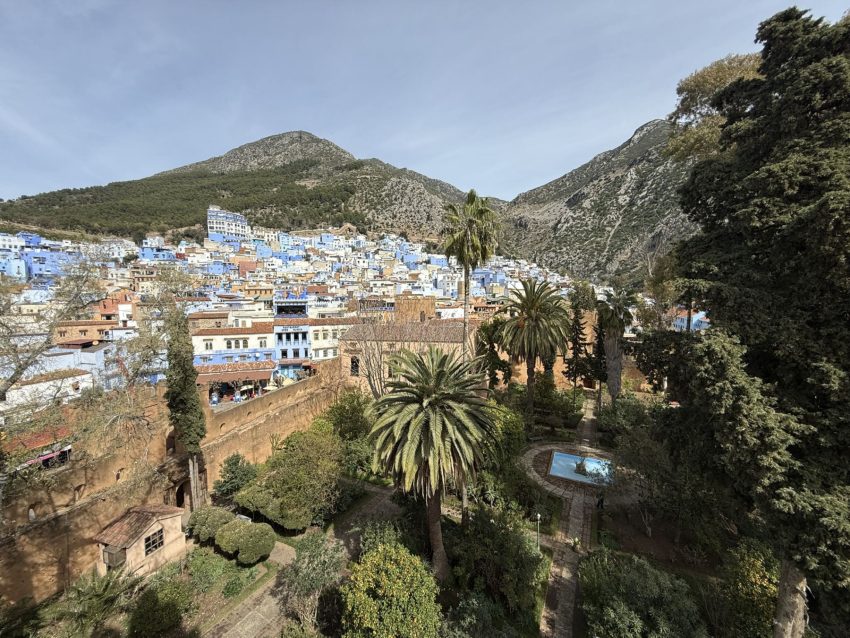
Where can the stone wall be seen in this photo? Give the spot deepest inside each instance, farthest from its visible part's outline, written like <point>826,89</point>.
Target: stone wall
<point>40,557</point>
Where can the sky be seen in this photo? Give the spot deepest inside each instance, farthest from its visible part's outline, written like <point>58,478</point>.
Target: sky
<point>497,95</point>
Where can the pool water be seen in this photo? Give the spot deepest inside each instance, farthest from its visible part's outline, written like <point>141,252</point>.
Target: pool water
<point>564,466</point>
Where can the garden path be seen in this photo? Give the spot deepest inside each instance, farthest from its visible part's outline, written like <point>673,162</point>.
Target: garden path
<point>261,614</point>
<point>558,615</point>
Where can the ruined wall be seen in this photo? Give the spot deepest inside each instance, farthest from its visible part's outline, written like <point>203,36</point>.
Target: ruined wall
<point>40,558</point>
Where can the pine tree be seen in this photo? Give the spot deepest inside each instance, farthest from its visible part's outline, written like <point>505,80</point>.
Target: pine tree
<point>184,404</point>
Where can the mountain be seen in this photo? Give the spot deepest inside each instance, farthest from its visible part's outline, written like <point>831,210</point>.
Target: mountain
<point>606,216</point>
<point>597,220</point>
<point>290,181</point>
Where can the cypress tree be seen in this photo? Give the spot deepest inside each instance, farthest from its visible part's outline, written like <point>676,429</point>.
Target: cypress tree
<point>184,405</point>
<point>576,358</point>
<point>774,255</point>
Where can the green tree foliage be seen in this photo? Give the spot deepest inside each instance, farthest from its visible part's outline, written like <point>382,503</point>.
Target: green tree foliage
<point>535,328</point>
<point>390,593</point>
<point>432,427</point>
<point>304,477</point>
<point>774,252</point>
<point>317,567</point>
<point>256,543</point>
<point>206,521</point>
<point>236,473</point>
<point>748,592</point>
<point>206,568</point>
<point>499,558</point>
<point>471,239</point>
<point>576,357</point>
<point>625,597</point>
<point>348,415</point>
<point>229,535</point>
<point>92,599</point>
<point>697,119</point>
<point>487,351</point>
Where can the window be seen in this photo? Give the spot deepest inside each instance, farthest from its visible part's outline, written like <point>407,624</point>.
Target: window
<point>335,352</point>
<point>243,357</point>
<point>355,367</point>
<point>244,343</point>
<point>325,352</point>
<point>325,335</point>
<point>334,334</point>
<point>62,333</point>
<point>288,337</point>
<point>228,358</point>
<point>296,354</point>
<point>208,344</point>
<point>229,344</point>
<point>83,333</point>
<point>262,343</point>
<point>154,542</point>
<point>315,334</point>
<point>205,359</point>
<point>268,356</point>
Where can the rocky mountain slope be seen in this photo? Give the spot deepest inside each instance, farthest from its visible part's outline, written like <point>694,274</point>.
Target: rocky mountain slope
<point>606,216</point>
<point>598,220</point>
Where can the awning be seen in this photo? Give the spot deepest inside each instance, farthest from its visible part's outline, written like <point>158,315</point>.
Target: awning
<point>244,375</point>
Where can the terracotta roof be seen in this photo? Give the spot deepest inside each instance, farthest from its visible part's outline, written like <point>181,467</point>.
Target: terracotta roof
<point>412,332</point>
<point>37,440</point>
<point>208,314</point>
<point>56,375</point>
<point>259,328</point>
<point>127,529</point>
<point>238,366</point>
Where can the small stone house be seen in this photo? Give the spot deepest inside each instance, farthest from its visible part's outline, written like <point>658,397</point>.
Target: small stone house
<point>142,540</point>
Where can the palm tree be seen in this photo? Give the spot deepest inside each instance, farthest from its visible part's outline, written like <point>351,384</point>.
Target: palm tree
<point>471,240</point>
<point>90,601</point>
<point>431,426</point>
<point>487,352</point>
<point>614,316</point>
<point>536,328</point>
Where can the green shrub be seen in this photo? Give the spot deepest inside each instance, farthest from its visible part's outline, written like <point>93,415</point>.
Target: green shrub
<point>256,542</point>
<point>236,473</point>
<point>233,586</point>
<point>317,566</point>
<point>257,498</point>
<point>89,602</point>
<point>207,520</point>
<point>377,533</point>
<point>510,433</point>
<point>478,615</point>
<point>357,456</point>
<point>228,536</point>
<point>496,556</point>
<point>626,413</point>
<point>391,592</point>
<point>161,608</point>
<point>206,568</point>
<point>348,415</point>
<point>624,597</point>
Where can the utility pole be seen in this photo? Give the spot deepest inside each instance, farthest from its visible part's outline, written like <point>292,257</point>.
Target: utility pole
<point>538,532</point>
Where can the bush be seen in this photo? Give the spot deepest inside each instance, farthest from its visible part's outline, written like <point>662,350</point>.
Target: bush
<point>348,415</point>
<point>206,568</point>
<point>358,457</point>
<point>256,543</point>
<point>236,473</point>
<point>391,593</point>
<point>497,557</point>
<point>161,608</point>
<point>478,615</point>
<point>228,536</point>
<point>207,520</point>
<point>377,533</point>
<point>257,498</point>
<point>624,596</point>
<point>510,434</point>
<point>627,412</point>
<point>317,566</point>
<point>233,586</point>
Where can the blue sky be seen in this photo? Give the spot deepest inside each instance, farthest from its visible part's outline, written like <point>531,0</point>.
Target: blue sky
<point>497,95</point>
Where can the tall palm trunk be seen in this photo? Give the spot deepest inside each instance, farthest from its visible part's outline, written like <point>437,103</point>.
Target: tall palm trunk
<point>790,618</point>
<point>529,388</point>
<point>435,535</point>
<point>465,348</point>
<point>464,509</point>
<point>614,363</point>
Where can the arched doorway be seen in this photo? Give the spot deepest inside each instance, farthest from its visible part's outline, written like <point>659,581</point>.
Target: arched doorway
<point>183,495</point>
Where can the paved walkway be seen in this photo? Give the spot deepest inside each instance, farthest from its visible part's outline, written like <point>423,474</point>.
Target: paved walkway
<point>261,615</point>
<point>559,610</point>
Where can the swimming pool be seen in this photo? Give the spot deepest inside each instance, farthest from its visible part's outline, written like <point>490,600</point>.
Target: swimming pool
<point>564,466</point>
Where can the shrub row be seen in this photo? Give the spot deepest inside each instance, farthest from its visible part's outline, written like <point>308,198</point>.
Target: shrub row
<point>247,542</point>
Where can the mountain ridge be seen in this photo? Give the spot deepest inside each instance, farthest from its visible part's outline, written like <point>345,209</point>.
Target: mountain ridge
<point>592,221</point>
